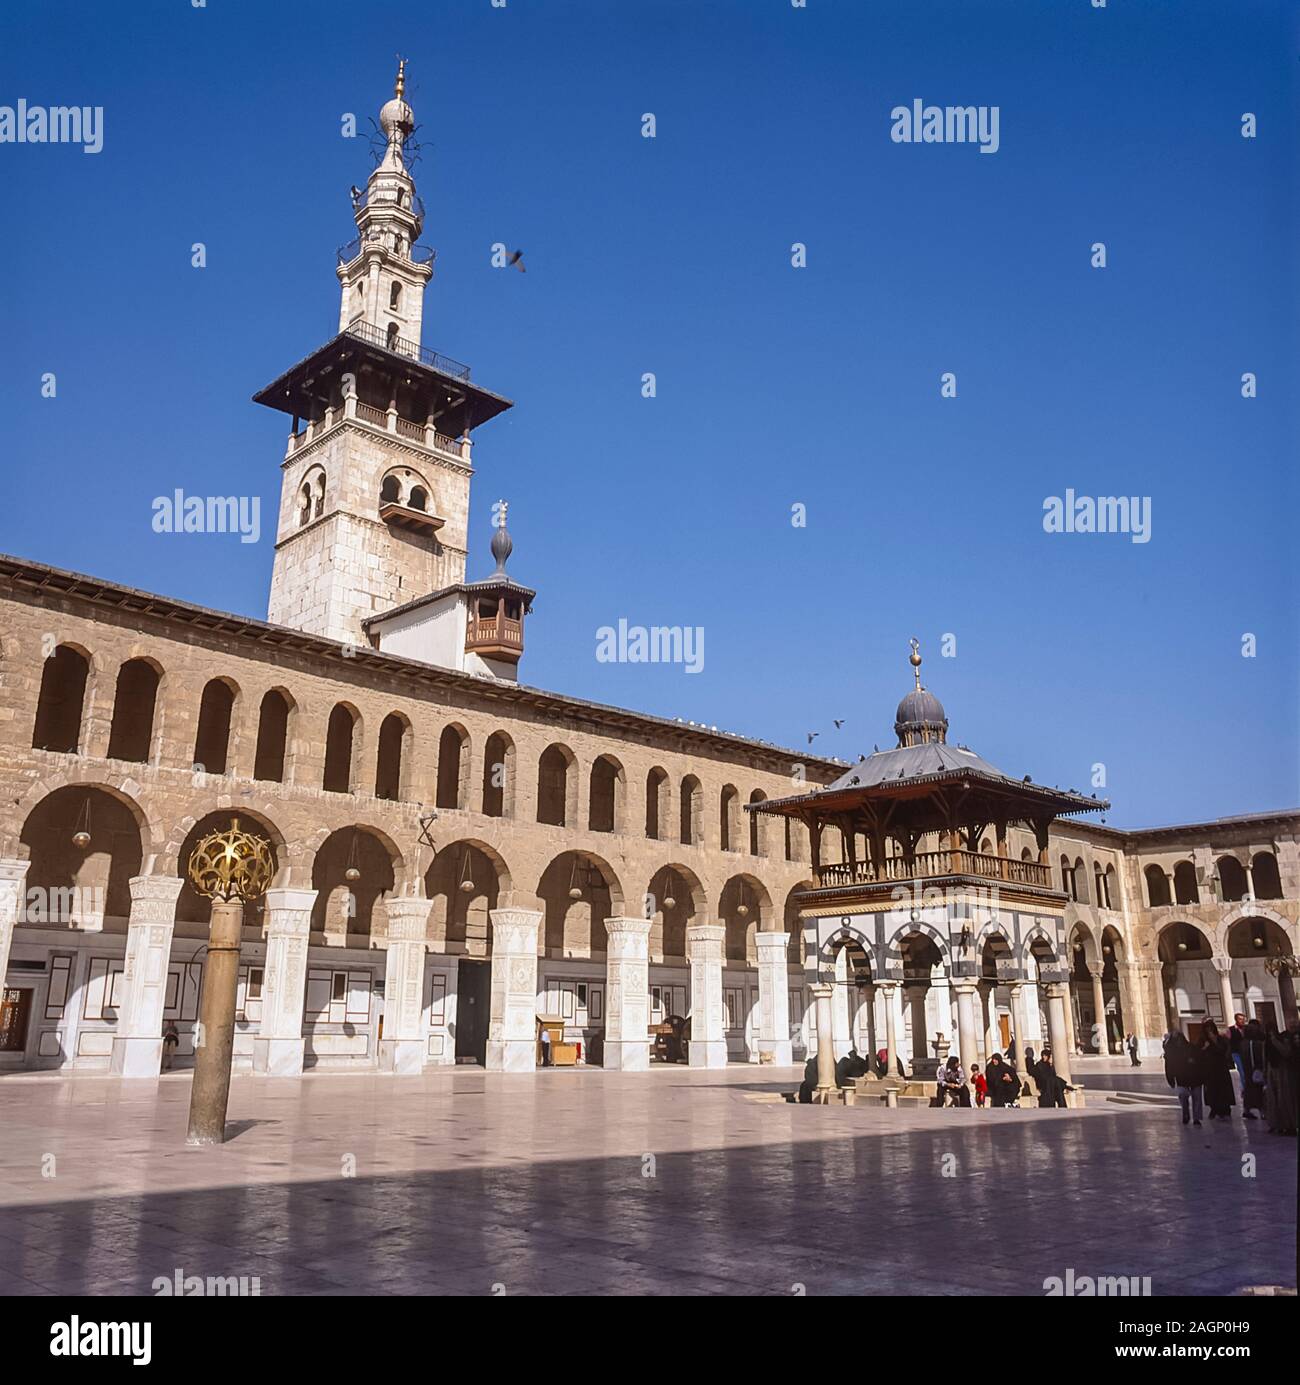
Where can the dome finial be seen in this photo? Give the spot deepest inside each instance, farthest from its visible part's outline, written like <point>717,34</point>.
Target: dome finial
<point>915,660</point>
<point>502,544</point>
<point>399,87</point>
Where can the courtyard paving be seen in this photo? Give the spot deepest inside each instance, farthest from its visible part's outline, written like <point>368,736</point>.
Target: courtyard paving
<point>586,1182</point>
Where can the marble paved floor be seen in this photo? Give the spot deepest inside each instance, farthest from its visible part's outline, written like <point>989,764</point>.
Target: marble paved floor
<point>585,1182</point>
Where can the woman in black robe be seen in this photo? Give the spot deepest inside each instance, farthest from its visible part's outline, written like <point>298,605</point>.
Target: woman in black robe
<point>1252,1052</point>
<point>1051,1086</point>
<point>1282,1074</point>
<point>1004,1085</point>
<point>1216,1064</point>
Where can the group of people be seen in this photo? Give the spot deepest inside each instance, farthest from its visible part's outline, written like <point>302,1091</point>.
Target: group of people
<point>1266,1062</point>
<point>998,1085</point>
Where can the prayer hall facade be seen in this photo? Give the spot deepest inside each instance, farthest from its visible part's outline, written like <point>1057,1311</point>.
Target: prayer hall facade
<point>458,854</point>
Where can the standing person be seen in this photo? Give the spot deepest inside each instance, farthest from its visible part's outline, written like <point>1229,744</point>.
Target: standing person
<point>1051,1086</point>
<point>171,1037</point>
<point>1183,1073</point>
<point>546,1047</point>
<point>1237,1045</point>
<point>1131,1043</point>
<point>1216,1071</point>
<point>1252,1050</point>
<point>1002,1083</point>
<point>979,1082</point>
<point>1282,1077</point>
<point>1011,1051</point>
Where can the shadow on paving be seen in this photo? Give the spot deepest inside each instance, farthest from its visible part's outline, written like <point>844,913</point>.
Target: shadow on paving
<point>959,1210</point>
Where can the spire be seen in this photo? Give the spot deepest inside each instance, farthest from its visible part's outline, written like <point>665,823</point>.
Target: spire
<point>397,120</point>
<point>920,717</point>
<point>502,544</point>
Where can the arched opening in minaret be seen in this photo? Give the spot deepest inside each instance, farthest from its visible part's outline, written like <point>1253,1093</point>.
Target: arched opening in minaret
<point>453,767</point>
<point>656,803</point>
<point>607,781</point>
<point>418,499</point>
<point>390,493</point>
<point>390,337</point>
<point>212,739</point>
<point>557,786</point>
<point>395,296</point>
<point>340,749</point>
<point>391,760</point>
<point>62,696</point>
<point>136,696</point>
<point>499,776</point>
<point>692,799</point>
<point>1265,876</point>
<point>272,736</point>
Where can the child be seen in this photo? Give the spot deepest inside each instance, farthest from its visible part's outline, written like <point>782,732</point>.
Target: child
<point>979,1082</point>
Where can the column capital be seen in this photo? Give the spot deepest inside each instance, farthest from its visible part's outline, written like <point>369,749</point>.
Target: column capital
<point>822,990</point>
<point>630,927</point>
<point>1056,990</point>
<point>153,898</point>
<point>515,930</point>
<point>1223,965</point>
<point>964,985</point>
<point>770,942</point>
<point>12,869</point>
<point>408,919</point>
<point>288,912</point>
<point>705,933</point>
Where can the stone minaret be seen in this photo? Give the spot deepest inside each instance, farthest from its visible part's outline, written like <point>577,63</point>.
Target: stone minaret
<point>374,501</point>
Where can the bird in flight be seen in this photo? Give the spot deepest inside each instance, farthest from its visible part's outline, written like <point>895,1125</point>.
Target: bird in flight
<point>839,722</point>
<point>812,736</point>
<point>516,261</point>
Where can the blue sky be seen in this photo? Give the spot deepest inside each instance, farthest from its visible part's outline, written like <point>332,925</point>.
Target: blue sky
<point>776,386</point>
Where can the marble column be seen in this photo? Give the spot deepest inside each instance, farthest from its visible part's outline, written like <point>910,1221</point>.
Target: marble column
<point>137,1041</point>
<point>1020,1025</point>
<point>1058,998</point>
<point>278,1047</point>
<point>989,1010</point>
<point>13,874</point>
<point>627,995</point>
<point>708,1046</point>
<point>916,997</point>
<point>869,1004</point>
<point>889,990</point>
<point>773,997</point>
<point>967,1037</point>
<point>1223,965</point>
<point>512,1019</point>
<point>822,995</point>
<point>1100,1038</point>
<point>405,1044</point>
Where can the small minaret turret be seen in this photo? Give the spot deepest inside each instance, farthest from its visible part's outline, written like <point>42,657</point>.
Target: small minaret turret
<point>383,272</point>
<point>494,627</point>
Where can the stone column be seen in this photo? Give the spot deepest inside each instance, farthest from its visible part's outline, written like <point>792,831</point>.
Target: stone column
<point>1099,1011</point>
<point>512,1020</point>
<point>774,997</point>
<point>989,1010</point>
<point>278,1047</point>
<point>1223,965</point>
<point>627,995</point>
<point>916,996</point>
<point>137,1041</point>
<point>708,1046</point>
<point>1021,1026</point>
<point>403,1048</point>
<point>967,1038</point>
<point>1057,1027</point>
<point>822,995</point>
<point>889,989</point>
<point>869,1002</point>
<point>13,873</point>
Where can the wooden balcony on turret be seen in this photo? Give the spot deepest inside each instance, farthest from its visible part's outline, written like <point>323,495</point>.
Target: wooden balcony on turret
<point>930,865</point>
<point>496,635</point>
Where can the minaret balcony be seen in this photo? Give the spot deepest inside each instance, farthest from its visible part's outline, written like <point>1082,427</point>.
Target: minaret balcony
<point>389,421</point>
<point>496,635</point>
<point>406,517</point>
<point>931,865</point>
